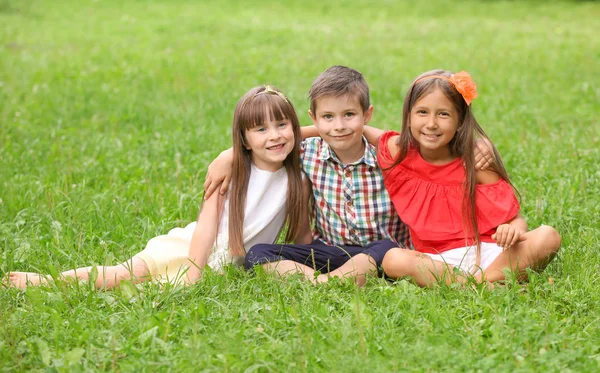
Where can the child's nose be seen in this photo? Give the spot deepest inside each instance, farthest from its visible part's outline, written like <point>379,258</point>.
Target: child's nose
<point>274,134</point>
<point>431,122</point>
<point>339,124</point>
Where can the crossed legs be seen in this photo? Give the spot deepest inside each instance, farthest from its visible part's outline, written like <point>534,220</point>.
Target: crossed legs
<point>535,251</point>
<point>337,261</point>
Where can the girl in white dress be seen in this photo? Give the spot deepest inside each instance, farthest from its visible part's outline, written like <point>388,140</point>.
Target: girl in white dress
<point>266,193</point>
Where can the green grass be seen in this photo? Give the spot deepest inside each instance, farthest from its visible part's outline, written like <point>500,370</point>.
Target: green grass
<point>111,112</point>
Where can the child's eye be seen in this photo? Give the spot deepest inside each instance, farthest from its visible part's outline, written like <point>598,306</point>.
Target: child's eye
<point>327,116</point>
<point>444,114</point>
<point>349,115</point>
<point>282,124</point>
<point>260,129</point>
<point>421,111</point>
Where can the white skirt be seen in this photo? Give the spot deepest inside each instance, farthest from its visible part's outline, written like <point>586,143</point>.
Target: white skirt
<point>167,256</point>
<point>465,258</point>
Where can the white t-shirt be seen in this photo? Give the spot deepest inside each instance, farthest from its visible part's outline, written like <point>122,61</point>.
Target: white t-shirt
<point>263,219</point>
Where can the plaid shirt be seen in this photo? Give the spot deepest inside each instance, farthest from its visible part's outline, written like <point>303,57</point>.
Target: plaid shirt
<point>351,205</point>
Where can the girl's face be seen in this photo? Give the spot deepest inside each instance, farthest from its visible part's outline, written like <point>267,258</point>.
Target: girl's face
<point>270,143</point>
<point>433,123</point>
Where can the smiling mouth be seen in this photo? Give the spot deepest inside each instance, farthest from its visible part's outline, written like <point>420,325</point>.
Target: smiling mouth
<point>430,135</point>
<point>276,147</point>
<point>341,136</point>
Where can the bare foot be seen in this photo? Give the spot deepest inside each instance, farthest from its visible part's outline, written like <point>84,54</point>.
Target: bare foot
<point>22,280</point>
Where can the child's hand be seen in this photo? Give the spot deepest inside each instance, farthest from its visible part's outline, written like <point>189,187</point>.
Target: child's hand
<point>484,156</point>
<point>219,174</point>
<point>507,235</point>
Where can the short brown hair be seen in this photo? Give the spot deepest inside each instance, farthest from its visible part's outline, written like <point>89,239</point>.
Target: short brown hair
<point>338,81</point>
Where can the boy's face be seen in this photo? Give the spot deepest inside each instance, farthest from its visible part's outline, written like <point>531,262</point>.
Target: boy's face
<point>340,122</point>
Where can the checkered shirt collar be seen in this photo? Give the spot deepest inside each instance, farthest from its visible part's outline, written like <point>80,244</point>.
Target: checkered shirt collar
<point>368,158</point>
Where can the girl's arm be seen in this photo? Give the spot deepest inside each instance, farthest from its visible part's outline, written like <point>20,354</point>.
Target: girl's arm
<point>510,233</point>
<point>309,131</point>
<point>305,234</point>
<point>372,134</point>
<point>204,236</point>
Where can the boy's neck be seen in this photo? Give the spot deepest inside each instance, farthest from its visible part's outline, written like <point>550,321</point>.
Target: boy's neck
<point>351,155</point>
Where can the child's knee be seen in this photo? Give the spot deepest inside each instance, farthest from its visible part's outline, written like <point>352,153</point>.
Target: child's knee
<point>550,239</point>
<point>553,235</point>
<point>395,263</point>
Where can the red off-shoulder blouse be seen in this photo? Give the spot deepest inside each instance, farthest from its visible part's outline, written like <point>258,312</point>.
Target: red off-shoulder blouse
<point>429,199</point>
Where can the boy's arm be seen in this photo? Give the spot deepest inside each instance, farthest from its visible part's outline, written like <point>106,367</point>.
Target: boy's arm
<point>204,236</point>
<point>305,233</point>
<point>219,174</point>
<point>372,134</point>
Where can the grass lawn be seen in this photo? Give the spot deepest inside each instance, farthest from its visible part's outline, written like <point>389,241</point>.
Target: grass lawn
<point>111,111</point>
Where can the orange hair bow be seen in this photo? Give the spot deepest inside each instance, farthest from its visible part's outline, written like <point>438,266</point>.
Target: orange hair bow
<point>463,83</point>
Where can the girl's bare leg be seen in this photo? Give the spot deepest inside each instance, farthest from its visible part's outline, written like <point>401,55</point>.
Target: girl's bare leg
<point>134,270</point>
<point>357,267</point>
<point>535,251</point>
<point>289,267</point>
<point>425,271</point>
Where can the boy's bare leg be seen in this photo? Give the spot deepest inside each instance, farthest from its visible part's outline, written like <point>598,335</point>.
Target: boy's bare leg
<point>357,267</point>
<point>425,271</point>
<point>289,267</point>
<point>535,251</point>
<point>135,270</point>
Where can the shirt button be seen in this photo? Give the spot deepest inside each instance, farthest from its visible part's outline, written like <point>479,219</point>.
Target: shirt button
<point>349,203</point>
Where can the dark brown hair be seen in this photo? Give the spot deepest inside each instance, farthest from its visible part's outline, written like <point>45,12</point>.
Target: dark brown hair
<point>257,106</point>
<point>339,81</point>
<point>462,145</point>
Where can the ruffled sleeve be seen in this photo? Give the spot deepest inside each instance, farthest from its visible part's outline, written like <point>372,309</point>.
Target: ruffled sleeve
<point>384,157</point>
<point>496,204</point>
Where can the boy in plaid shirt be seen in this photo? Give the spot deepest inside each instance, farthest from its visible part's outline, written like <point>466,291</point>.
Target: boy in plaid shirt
<point>355,221</point>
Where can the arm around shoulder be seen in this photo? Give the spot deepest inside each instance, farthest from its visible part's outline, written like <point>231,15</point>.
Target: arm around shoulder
<point>305,233</point>
<point>309,131</point>
<point>372,134</point>
<point>219,173</point>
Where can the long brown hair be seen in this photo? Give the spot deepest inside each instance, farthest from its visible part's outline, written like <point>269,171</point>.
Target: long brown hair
<point>462,145</point>
<point>257,106</point>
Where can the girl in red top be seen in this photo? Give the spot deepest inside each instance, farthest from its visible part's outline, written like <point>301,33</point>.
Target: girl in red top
<point>458,217</point>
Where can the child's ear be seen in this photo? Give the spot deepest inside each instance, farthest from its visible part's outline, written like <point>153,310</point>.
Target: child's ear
<point>312,117</point>
<point>245,144</point>
<point>368,114</point>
